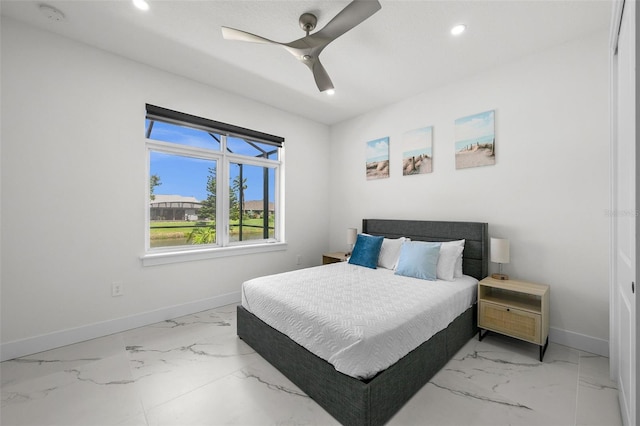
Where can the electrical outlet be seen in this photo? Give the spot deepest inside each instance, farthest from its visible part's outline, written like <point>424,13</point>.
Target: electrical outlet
<point>117,289</point>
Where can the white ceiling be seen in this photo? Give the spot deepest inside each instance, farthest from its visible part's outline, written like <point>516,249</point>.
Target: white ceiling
<point>402,50</point>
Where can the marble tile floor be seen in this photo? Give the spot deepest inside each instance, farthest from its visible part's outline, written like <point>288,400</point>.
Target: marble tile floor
<point>195,371</point>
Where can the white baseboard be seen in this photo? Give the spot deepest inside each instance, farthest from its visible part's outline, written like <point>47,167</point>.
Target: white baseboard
<point>579,341</point>
<point>32,345</point>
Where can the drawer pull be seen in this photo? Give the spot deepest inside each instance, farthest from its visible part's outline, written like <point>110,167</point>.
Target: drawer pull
<point>508,310</point>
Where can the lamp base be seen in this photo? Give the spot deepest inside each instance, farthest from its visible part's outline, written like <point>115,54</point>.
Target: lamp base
<point>502,277</point>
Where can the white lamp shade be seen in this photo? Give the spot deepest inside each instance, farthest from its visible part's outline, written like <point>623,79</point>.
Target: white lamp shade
<point>499,250</point>
<point>352,235</point>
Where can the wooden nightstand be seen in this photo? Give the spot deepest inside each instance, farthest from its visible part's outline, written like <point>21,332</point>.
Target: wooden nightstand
<point>514,308</point>
<point>338,256</point>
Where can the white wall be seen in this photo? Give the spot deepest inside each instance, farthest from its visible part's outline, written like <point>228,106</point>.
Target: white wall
<point>547,193</point>
<point>73,184</point>
<point>73,192</point>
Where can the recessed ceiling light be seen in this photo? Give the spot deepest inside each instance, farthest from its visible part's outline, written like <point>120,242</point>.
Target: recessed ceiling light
<point>51,12</point>
<point>141,4</point>
<point>458,29</point>
<point>330,92</point>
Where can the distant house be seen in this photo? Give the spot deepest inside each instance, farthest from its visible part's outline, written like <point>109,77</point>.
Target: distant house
<point>174,207</point>
<point>255,208</point>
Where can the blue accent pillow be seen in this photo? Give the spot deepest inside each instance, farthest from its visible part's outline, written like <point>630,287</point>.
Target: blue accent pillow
<point>419,259</point>
<point>366,251</point>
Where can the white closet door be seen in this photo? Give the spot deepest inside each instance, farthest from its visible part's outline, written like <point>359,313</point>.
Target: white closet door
<point>624,216</point>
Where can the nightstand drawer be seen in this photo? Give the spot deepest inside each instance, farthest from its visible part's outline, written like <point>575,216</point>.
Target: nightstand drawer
<point>512,322</point>
<point>335,257</point>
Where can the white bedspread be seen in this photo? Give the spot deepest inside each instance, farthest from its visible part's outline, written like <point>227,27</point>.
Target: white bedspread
<point>358,319</point>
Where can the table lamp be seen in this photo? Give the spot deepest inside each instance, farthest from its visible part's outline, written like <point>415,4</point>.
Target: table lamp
<point>352,235</point>
<point>499,255</point>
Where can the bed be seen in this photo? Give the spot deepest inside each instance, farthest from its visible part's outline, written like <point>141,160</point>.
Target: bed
<point>374,400</point>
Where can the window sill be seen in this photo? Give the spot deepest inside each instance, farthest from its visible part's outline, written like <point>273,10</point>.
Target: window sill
<point>165,257</point>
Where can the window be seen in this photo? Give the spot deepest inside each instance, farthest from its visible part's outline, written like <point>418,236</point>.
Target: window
<point>212,186</point>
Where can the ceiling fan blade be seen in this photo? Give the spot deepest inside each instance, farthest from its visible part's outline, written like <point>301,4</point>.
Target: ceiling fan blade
<point>323,81</point>
<point>233,34</point>
<point>308,48</point>
<point>354,14</point>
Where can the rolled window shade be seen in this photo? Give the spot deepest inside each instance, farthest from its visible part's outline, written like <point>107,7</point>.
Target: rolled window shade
<point>181,118</point>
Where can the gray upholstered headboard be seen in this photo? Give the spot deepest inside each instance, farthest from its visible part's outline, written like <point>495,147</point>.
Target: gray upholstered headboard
<point>475,257</point>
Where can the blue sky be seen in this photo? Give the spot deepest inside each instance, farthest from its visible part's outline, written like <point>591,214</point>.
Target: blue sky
<point>181,175</point>
<point>378,150</point>
<point>475,128</point>
<point>187,176</point>
<point>418,141</point>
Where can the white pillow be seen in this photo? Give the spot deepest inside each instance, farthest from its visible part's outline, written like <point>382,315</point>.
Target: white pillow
<point>390,252</point>
<point>446,268</point>
<point>458,266</point>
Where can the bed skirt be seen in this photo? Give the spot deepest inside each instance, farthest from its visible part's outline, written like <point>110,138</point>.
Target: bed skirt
<point>349,400</point>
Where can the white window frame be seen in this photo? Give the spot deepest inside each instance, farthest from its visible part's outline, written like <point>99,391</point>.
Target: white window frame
<point>223,247</point>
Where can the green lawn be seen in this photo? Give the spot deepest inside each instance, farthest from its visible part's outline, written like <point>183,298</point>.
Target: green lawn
<point>181,229</point>
<point>165,230</point>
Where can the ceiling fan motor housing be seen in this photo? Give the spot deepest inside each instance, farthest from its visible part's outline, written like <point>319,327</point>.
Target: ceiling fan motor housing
<point>308,22</point>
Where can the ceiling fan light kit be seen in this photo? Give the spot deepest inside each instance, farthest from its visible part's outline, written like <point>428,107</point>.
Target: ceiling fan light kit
<point>308,48</point>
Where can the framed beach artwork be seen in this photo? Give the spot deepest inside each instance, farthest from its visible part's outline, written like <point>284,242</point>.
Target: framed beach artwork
<point>417,155</point>
<point>475,140</point>
<point>378,159</point>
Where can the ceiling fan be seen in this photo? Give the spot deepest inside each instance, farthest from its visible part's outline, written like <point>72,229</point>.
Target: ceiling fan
<point>307,49</point>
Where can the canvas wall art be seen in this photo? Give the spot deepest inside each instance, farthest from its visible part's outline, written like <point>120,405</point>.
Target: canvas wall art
<point>378,159</point>
<point>417,155</point>
<point>475,140</point>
